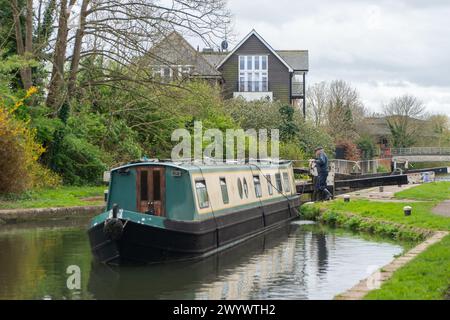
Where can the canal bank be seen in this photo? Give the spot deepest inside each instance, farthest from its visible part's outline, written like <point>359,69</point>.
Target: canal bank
<point>426,275</point>
<point>39,214</point>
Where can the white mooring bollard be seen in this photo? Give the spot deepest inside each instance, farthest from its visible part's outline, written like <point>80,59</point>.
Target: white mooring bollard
<point>407,210</point>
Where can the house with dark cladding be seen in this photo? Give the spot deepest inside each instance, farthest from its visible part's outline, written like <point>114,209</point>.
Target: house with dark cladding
<point>252,70</point>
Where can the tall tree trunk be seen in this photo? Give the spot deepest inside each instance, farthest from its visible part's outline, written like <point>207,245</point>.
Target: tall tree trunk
<point>56,91</point>
<point>29,41</point>
<point>24,51</point>
<point>77,48</point>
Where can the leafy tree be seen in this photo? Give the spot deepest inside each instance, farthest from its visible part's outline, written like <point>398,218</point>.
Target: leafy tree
<point>366,147</point>
<point>288,127</point>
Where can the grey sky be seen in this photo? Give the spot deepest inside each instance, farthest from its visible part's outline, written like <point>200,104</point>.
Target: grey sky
<point>384,48</point>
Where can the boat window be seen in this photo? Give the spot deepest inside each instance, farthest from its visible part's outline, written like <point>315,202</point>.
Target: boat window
<point>156,185</point>
<point>223,188</point>
<point>239,183</point>
<point>245,188</point>
<point>144,185</point>
<point>257,184</point>
<point>278,182</point>
<point>202,194</point>
<point>269,184</point>
<point>287,185</point>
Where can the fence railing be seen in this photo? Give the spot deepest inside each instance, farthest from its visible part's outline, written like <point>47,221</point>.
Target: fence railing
<point>420,151</point>
<point>358,167</point>
<point>297,88</point>
<point>350,167</point>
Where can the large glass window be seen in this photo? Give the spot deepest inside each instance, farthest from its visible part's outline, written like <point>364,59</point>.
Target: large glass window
<point>253,74</point>
<point>202,194</point>
<point>278,183</point>
<point>257,183</point>
<point>223,188</point>
<point>287,185</point>
<point>242,62</point>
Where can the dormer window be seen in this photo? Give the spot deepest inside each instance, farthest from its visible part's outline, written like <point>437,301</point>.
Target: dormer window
<point>253,74</point>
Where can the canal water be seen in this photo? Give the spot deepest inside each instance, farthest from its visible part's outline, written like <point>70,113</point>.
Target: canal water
<point>297,261</point>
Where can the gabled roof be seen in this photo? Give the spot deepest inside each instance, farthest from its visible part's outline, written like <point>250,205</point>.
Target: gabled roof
<point>254,33</point>
<point>175,49</point>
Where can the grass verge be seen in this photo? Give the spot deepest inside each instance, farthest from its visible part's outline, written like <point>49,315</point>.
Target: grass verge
<point>425,277</point>
<point>59,197</point>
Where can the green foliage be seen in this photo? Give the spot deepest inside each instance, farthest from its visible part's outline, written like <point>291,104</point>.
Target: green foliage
<point>309,137</point>
<point>382,169</point>
<point>20,152</point>
<point>393,211</point>
<point>433,191</point>
<point>366,147</point>
<point>291,150</point>
<point>76,160</point>
<point>288,127</point>
<point>259,114</point>
<point>67,196</point>
<point>309,211</point>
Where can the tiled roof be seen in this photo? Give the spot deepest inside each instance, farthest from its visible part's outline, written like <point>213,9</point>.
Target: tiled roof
<point>297,59</point>
<point>214,58</point>
<point>175,50</point>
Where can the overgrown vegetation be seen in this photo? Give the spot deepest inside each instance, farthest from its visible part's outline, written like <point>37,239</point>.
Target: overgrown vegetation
<point>20,152</point>
<point>65,196</point>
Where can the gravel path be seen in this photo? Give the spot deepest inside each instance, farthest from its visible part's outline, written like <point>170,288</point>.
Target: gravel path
<point>442,209</point>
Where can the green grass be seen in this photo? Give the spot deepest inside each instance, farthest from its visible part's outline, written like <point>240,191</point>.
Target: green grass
<point>421,216</point>
<point>434,191</point>
<point>427,277</point>
<point>58,197</point>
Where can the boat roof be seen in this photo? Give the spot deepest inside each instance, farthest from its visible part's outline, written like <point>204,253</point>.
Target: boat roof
<point>195,167</point>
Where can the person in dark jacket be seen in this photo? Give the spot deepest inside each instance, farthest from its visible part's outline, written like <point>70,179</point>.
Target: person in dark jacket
<point>322,171</point>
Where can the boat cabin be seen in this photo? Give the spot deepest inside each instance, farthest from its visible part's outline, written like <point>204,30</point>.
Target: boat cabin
<point>185,191</point>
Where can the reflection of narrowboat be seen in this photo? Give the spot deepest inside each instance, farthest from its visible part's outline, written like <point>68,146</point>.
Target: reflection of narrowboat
<point>159,211</point>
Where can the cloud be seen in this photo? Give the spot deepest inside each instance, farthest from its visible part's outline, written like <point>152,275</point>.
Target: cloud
<point>401,46</point>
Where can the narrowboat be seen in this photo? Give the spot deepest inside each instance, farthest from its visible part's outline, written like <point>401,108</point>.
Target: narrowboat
<point>165,211</point>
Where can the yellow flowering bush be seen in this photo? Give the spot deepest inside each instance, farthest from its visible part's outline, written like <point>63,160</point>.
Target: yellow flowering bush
<point>19,153</point>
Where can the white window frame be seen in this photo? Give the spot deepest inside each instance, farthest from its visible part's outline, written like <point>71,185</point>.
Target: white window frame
<point>181,70</point>
<point>253,78</point>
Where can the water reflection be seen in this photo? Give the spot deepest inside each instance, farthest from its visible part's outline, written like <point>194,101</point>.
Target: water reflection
<point>293,262</point>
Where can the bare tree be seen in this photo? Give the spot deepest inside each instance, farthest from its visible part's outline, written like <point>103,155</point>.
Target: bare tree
<point>56,92</point>
<point>403,115</point>
<point>24,48</point>
<point>317,103</point>
<point>119,31</point>
<point>440,126</point>
<point>344,110</point>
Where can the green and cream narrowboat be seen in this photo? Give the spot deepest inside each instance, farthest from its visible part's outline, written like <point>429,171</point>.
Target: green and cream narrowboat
<point>159,211</point>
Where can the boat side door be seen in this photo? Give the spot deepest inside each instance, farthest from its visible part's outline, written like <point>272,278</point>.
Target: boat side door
<point>150,187</point>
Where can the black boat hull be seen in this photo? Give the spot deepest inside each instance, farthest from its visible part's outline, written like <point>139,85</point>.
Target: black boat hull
<point>182,240</point>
